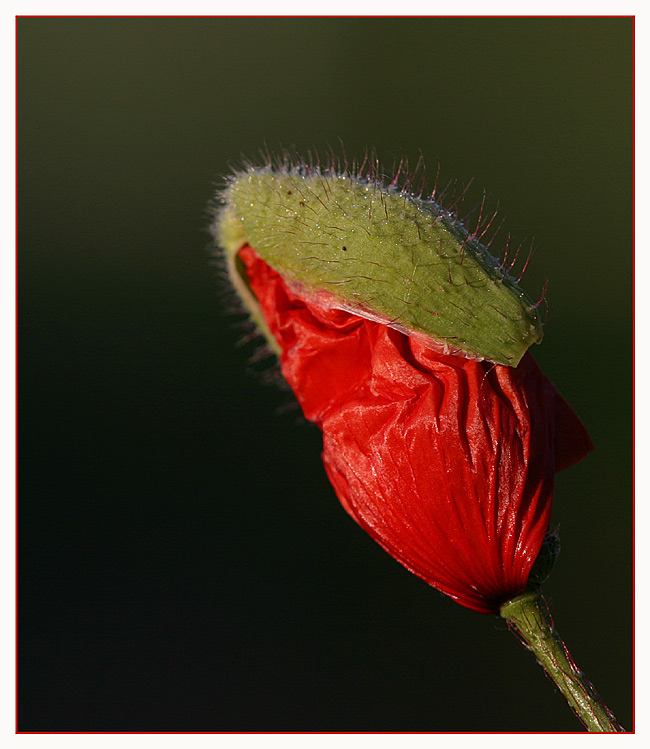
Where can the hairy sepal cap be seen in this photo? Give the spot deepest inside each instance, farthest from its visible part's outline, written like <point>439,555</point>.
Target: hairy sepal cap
<point>447,462</point>
<point>381,254</point>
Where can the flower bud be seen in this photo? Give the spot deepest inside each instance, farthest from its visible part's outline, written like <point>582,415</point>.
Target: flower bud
<point>405,342</point>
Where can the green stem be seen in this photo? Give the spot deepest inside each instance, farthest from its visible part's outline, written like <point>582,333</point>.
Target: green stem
<point>528,617</point>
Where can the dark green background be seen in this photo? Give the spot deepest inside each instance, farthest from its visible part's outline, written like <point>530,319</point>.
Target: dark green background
<point>184,564</point>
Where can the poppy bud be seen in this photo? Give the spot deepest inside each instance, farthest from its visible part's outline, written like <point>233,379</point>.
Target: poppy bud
<point>405,341</point>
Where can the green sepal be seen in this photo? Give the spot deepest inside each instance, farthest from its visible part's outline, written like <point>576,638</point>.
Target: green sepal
<point>380,254</point>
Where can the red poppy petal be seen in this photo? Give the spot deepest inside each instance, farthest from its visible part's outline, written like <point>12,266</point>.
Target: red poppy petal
<point>572,442</point>
<point>447,462</point>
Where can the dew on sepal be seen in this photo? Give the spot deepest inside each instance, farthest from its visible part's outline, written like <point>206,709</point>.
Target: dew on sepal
<point>369,247</point>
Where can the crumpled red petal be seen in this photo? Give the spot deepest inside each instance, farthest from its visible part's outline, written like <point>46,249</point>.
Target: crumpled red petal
<point>447,462</point>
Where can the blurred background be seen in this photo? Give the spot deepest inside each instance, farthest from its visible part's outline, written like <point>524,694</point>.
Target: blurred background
<point>184,564</point>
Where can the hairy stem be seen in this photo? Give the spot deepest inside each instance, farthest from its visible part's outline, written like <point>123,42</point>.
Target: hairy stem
<point>528,617</point>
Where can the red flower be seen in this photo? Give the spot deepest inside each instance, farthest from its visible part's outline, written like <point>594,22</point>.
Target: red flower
<point>446,462</point>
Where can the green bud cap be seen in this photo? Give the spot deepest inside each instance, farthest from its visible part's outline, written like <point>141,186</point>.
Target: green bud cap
<point>382,254</point>
<point>546,559</point>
